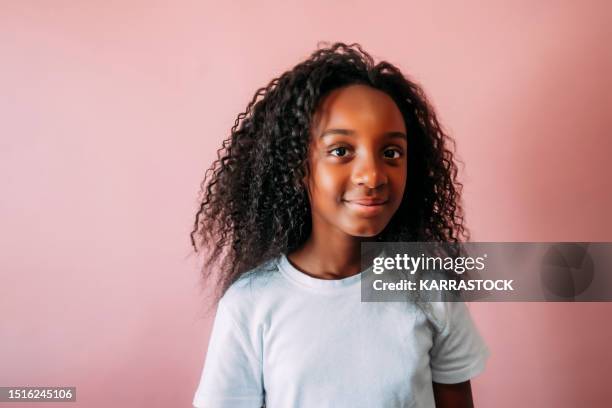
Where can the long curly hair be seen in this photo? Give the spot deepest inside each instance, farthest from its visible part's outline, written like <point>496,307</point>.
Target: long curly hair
<point>253,204</point>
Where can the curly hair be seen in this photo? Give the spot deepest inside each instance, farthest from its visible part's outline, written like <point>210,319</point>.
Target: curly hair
<point>253,204</point>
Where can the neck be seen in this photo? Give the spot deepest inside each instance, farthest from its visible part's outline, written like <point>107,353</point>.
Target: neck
<point>333,255</point>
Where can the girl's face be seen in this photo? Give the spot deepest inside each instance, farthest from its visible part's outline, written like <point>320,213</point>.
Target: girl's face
<point>357,162</point>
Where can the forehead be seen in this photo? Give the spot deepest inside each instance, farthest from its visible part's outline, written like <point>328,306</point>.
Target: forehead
<point>359,107</point>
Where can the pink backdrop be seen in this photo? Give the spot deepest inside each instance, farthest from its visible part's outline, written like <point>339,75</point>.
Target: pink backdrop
<point>111,111</point>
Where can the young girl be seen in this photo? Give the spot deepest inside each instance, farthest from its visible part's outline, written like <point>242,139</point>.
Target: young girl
<point>335,152</point>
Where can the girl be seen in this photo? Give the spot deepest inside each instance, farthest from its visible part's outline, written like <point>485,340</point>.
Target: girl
<point>335,152</point>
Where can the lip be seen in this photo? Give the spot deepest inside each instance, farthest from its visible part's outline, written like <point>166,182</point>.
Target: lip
<point>368,201</point>
<point>366,206</point>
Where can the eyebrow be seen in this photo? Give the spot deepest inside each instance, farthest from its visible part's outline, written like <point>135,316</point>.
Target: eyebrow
<point>349,132</point>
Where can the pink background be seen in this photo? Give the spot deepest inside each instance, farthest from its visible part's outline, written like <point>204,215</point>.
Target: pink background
<point>111,111</point>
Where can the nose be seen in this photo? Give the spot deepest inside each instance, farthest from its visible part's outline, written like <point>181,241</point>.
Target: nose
<point>369,172</point>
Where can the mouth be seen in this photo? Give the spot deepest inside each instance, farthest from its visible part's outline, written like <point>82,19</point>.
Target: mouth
<point>366,207</point>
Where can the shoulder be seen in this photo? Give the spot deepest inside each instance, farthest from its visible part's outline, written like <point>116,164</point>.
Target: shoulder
<point>445,315</point>
<point>443,309</point>
<point>247,292</point>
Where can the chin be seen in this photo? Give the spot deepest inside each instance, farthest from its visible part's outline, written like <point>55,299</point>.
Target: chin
<point>365,231</point>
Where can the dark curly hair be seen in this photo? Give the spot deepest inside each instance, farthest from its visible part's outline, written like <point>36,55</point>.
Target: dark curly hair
<point>255,207</point>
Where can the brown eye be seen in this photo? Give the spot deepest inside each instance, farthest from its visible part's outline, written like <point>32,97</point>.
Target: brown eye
<point>392,154</point>
<point>339,152</point>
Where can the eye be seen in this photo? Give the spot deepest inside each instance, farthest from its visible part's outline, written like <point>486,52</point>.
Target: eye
<point>392,154</point>
<point>339,152</point>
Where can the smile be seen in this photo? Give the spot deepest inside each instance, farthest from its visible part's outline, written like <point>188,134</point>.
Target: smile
<point>366,207</point>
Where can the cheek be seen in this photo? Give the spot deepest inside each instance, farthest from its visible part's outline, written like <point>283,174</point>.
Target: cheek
<point>398,182</point>
<point>327,187</point>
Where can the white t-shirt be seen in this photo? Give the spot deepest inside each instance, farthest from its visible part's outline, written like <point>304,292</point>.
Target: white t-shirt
<point>291,340</point>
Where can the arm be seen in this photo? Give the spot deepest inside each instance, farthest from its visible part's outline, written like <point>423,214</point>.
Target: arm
<point>232,374</point>
<point>458,354</point>
<point>453,395</point>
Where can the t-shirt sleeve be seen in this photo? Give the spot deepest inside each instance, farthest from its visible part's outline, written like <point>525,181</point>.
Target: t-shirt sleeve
<point>232,374</point>
<point>458,352</point>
